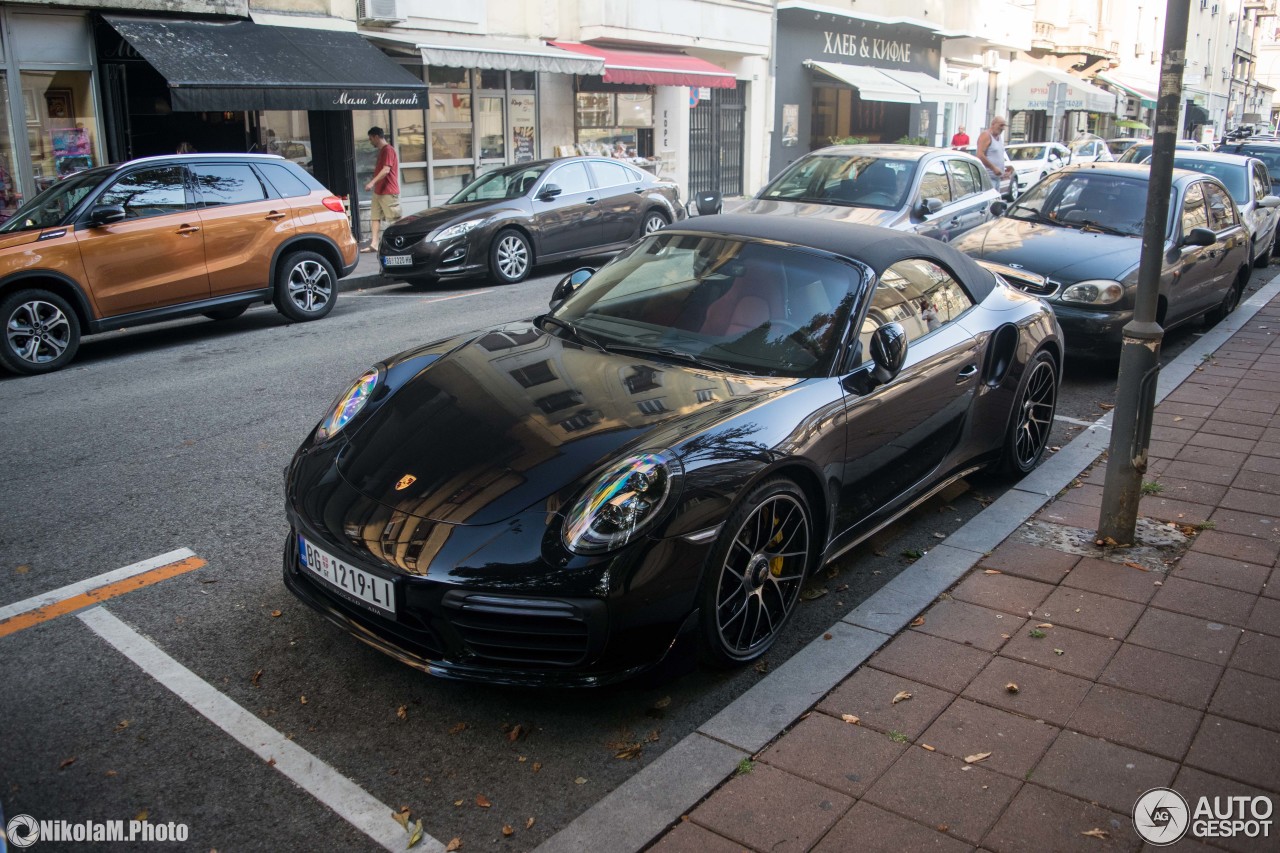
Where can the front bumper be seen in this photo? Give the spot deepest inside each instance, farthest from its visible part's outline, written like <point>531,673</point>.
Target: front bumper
<point>429,260</point>
<point>1091,333</point>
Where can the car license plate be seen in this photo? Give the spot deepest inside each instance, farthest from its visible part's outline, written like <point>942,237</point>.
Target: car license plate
<point>368,588</point>
<point>397,260</point>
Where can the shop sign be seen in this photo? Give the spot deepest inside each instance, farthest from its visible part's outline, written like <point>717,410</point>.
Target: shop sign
<point>865,47</point>
<point>376,98</point>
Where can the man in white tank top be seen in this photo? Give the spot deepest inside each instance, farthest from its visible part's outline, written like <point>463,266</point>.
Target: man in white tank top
<point>991,151</point>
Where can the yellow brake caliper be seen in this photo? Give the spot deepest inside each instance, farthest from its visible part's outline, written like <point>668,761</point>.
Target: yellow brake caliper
<point>775,563</point>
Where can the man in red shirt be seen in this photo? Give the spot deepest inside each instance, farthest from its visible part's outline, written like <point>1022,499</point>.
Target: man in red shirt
<point>385,183</point>
<point>961,139</point>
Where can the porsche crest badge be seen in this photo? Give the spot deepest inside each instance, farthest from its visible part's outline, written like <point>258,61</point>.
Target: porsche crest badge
<point>405,482</point>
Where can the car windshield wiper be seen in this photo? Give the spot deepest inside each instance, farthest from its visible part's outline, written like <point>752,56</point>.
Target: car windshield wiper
<point>574,332</point>
<point>668,352</point>
<point>1087,224</point>
<point>1036,216</point>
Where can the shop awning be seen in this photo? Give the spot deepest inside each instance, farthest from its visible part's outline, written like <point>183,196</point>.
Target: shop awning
<point>1144,92</point>
<point>494,54</point>
<point>1029,90</point>
<point>891,85</point>
<point>654,69</point>
<point>247,66</point>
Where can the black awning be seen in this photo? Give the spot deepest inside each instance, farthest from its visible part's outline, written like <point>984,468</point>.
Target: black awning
<point>247,66</point>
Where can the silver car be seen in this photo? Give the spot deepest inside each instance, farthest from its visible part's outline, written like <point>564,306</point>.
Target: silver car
<point>934,192</point>
<point>1247,180</point>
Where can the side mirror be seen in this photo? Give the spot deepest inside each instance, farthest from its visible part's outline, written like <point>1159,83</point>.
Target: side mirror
<point>888,351</point>
<point>548,192</point>
<point>105,214</point>
<point>998,207</point>
<point>1199,237</point>
<point>928,206</point>
<point>1269,201</point>
<point>569,285</point>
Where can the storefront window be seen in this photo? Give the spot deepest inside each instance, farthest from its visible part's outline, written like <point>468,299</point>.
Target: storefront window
<point>450,179</point>
<point>366,154</point>
<point>451,143</point>
<point>614,123</point>
<point>411,136</point>
<point>449,107</point>
<point>523,128</point>
<point>524,81</point>
<point>493,79</point>
<point>10,192</point>
<point>449,78</point>
<point>489,127</point>
<point>287,133</point>
<point>62,130</point>
<point>413,181</point>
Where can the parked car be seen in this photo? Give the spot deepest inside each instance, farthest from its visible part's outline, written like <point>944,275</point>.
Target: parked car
<point>1088,148</point>
<point>1247,180</point>
<point>1117,147</point>
<point>1267,152</point>
<point>165,237</point>
<point>717,413</point>
<point>1141,152</point>
<point>934,192</point>
<point>1034,160</point>
<point>506,221</point>
<point>1075,239</point>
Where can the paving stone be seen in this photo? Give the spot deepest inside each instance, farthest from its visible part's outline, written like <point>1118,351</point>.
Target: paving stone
<point>1148,671</point>
<point>1192,492</point>
<point>1222,441</point>
<point>1030,561</point>
<point>868,829</point>
<point>1246,523</point>
<point>1266,617</point>
<point>931,660</point>
<point>1239,751</point>
<point>1071,515</point>
<point>1085,493</point>
<point>1258,653</point>
<point>1089,611</point>
<point>1040,819</point>
<point>1193,784</point>
<point>969,624</point>
<point>968,728</point>
<point>1201,473</point>
<point>1107,578</point>
<point>1249,428</point>
<point>937,789</point>
<point>868,694</point>
<point>1267,448</point>
<point>1002,592</point>
<point>1163,508</point>
<point>1111,775</point>
<point>1265,464</point>
<point>768,809</point>
<point>1165,450</point>
<point>1251,501</point>
<point>1272,587</point>
<point>1168,432</point>
<point>1180,421</point>
<point>833,753</point>
<point>1249,698</point>
<point>1247,548</point>
<point>1219,457</point>
<point>1085,655</point>
<point>688,837</point>
<point>1257,481</point>
<point>1221,571</point>
<point>1214,603</point>
<point>1042,694</point>
<point>1133,719</point>
<point>1188,410</point>
<point>1184,635</point>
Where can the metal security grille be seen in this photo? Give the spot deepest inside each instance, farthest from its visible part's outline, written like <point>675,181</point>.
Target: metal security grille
<point>715,141</point>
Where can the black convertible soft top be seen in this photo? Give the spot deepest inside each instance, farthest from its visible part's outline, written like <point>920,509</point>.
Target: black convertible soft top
<point>878,248</point>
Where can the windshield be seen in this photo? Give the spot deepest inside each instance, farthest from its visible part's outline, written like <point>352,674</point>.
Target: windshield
<point>1234,176</point>
<point>1025,152</point>
<point>855,181</point>
<point>752,307</point>
<point>1086,199</point>
<point>1268,155</point>
<point>499,185</point>
<point>53,207</point>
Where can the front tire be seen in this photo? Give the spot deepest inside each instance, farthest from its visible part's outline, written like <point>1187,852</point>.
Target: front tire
<point>1032,417</point>
<point>1265,258</point>
<point>306,287</point>
<point>510,257</point>
<point>754,574</point>
<point>655,220</point>
<point>41,332</point>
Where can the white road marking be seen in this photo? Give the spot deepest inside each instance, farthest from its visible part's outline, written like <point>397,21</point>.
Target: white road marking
<point>414,296</point>
<point>351,802</point>
<point>44,599</point>
<point>1067,420</point>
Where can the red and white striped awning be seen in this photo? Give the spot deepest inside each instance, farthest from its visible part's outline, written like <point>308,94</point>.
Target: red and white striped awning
<point>654,69</point>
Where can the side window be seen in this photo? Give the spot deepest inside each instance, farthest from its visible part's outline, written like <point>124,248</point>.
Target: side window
<point>965,176</point>
<point>1222,211</point>
<point>891,303</point>
<point>609,174</point>
<point>1193,212</point>
<point>571,178</point>
<point>286,182</point>
<point>227,183</point>
<point>148,192</point>
<point>1261,183</point>
<point>933,183</point>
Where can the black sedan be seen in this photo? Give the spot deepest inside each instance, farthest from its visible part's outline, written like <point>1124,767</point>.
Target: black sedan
<point>721,410</point>
<point>508,220</point>
<point>1075,240</point>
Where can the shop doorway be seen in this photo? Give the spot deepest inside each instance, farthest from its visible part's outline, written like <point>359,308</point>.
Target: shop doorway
<point>840,113</point>
<point>716,141</point>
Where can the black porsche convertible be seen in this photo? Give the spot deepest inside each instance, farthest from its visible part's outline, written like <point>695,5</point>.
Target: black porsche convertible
<point>722,409</point>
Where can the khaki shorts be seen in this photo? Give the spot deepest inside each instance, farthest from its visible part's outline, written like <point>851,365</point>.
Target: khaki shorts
<point>384,208</point>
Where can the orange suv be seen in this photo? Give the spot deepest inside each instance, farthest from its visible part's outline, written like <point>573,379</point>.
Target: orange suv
<point>166,237</point>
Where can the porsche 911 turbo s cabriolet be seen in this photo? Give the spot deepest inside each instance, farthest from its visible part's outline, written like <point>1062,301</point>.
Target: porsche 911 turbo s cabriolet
<point>723,408</point>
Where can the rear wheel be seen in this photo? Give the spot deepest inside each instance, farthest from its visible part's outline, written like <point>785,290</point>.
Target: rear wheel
<point>1032,417</point>
<point>306,287</point>
<point>41,332</point>
<point>229,313</point>
<point>1230,299</point>
<point>1265,258</point>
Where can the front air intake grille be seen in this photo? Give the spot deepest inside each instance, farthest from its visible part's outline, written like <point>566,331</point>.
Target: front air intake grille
<point>530,631</point>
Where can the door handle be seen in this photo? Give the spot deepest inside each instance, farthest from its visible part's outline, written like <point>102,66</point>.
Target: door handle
<point>966,374</point>
<point>188,229</point>
<point>275,215</point>
<point>592,200</point>
<point>955,220</point>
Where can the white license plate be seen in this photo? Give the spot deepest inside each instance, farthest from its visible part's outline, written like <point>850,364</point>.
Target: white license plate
<point>397,260</point>
<point>369,588</point>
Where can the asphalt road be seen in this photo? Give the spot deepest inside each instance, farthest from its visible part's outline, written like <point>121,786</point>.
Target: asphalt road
<point>175,436</point>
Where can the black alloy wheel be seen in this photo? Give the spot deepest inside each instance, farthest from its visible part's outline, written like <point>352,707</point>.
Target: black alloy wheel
<point>1230,299</point>
<point>1032,416</point>
<point>41,332</point>
<point>755,572</point>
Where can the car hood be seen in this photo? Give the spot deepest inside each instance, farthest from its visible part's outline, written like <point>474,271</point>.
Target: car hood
<point>489,429</point>
<point>426,221</point>
<point>839,212</point>
<point>1051,250</point>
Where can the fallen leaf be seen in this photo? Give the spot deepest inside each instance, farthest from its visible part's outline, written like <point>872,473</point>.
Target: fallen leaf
<point>22,570</point>
<point>942,827</point>
<point>630,751</point>
<point>1179,418</point>
<point>813,593</point>
<point>276,614</point>
<point>458,802</point>
<point>537,765</point>
<point>653,736</point>
<point>507,830</point>
<point>257,675</point>
<point>1011,687</point>
<point>271,762</point>
<point>850,718</point>
<point>458,729</point>
<point>992,572</point>
<point>528,824</point>
<point>901,696</point>
<point>516,731</point>
<point>417,836</point>
<point>917,622</point>
<point>482,801</point>
<point>1137,566</point>
<point>142,815</point>
<point>937,535</point>
<point>67,762</point>
<point>1096,833</point>
<point>522,758</point>
<point>926,746</point>
<point>974,759</point>
<point>302,700</point>
<point>664,702</point>
<point>1006,636</point>
<point>111,773</point>
<point>1059,652</point>
<point>455,844</point>
<point>580,781</point>
<point>402,817</point>
<point>1106,406</point>
<point>1045,625</point>
<point>122,725</point>
<point>402,713</point>
<point>762,666</point>
<point>826,636</point>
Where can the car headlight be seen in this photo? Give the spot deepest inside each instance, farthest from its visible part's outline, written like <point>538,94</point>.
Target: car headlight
<point>1097,292</point>
<point>347,406</point>
<point>622,502</point>
<point>459,230</point>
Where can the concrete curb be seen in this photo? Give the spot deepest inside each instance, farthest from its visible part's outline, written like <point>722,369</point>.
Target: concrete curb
<point>640,809</point>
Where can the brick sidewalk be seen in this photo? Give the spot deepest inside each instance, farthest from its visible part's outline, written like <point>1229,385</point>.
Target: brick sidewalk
<point>1087,681</point>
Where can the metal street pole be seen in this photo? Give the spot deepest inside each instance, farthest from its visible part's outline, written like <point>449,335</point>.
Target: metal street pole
<point>1140,353</point>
